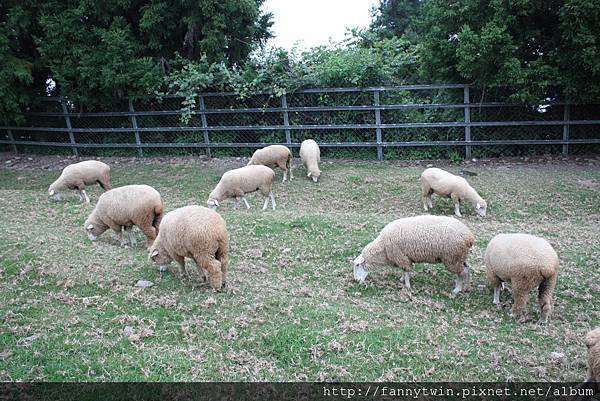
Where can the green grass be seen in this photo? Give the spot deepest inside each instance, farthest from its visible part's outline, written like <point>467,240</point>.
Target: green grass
<point>292,311</point>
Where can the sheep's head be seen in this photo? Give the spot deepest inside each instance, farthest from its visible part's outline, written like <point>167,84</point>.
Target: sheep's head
<point>315,176</point>
<point>359,269</point>
<point>94,230</point>
<point>480,208</point>
<point>213,204</point>
<point>159,256</point>
<point>52,193</point>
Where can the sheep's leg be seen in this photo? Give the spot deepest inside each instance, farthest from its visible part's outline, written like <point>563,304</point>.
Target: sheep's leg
<point>429,201</point>
<point>456,200</point>
<point>521,296</point>
<point>237,203</point>
<point>266,203</point>
<point>497,291</point>
<point>80,195</point>
<point>272,199</point>
<point>466,278</point>
<point>284,176</point>
<point>122,231</point>
<point>149,231</point>
<point>458,285</point>
<point>545,291</point>
<point>87,198</point>
<point>181,261</point>
<point>246,202</point>
<point>213,266</point>
<point>131,235</point>
<point>406,277</point>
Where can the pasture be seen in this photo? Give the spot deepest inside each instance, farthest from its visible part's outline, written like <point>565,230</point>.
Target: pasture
<point>69,310</point>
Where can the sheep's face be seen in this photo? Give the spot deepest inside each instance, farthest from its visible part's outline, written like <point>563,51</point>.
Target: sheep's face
<point>213,204</point>
<point>315,176</point>
<point>93,231</point>
<point>359,269</point>
<point>53,194</point>
<point>159,257</point>
<point>480,208</point>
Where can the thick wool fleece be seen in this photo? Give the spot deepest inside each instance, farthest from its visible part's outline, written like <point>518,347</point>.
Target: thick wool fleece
<point>194,232</point>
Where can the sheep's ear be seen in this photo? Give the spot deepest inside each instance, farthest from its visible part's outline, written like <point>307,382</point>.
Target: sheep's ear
<point>90,226</point>
<point>154,253</point>
<point>309,174</point>
<point>359,260</point>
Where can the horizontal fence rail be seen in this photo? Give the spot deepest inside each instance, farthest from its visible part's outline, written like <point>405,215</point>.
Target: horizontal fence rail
<point>440,117</point>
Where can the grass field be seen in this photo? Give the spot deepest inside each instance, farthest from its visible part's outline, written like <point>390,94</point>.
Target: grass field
<point>292,311</point>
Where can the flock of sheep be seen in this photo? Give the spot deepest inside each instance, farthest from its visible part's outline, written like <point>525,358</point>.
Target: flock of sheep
<point>200,233</point>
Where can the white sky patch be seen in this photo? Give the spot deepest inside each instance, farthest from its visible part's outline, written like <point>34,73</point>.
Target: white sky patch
<point>311,23</point>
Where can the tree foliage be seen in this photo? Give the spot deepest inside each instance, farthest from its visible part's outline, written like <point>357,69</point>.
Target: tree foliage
<point>542,48</point>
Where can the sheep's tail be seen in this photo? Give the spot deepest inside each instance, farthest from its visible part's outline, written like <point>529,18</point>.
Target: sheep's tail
<point>158,215</point>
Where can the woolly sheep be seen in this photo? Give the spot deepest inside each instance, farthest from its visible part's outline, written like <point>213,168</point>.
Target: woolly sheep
<point>527,262</point>
<point>195,232</point>
<point>311,156</point>
<point>440,182</point>
<point>124,207</point>
<point>78,175</point>
<point>240,181</point>
<point>420,239</point>
<point>274,156</point>
<point>592,341</point>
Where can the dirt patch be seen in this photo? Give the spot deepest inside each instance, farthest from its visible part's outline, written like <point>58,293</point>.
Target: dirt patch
<point>58,162</point>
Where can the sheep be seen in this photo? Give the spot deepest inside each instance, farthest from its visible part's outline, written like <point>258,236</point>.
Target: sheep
<point>240,181</point>
<point>592,341</point>
<point>124,207</point>
<point>195,232</point>
<point>527,262</point>
<point>78,175</point>
<point>420,239</point>
<point>274,156</point>
<point>311,156</point>
<point>440,182</point>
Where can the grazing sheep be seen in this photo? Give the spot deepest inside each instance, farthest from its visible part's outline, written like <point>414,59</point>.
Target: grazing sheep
<point>527,262</point>
<point>420,239</point>
<point>124,207</point>
<point>311,156</point>
<point>195,232</point>
<point>240,181</point>
<point>274,156</point>
<point>440,182</point>
<point>592,341</point>
<point>78,175</point>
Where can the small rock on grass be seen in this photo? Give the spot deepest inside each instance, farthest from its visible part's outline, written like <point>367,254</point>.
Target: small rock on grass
<point>144,284</point>
<point>128,331</point>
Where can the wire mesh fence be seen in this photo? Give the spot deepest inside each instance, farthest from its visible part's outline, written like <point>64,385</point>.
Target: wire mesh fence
<point>407,122</point>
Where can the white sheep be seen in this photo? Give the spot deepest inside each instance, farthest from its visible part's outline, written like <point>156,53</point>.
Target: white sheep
<point>592,341</point>
<point>527,262</point>
<point>420,239</point>
<point>274,156</point>
<point>440,182</point>
<point>310,155</point>
<point>78,175</point>
<point>240,181</point>
<point>194,232</point>
<point>123,207</point>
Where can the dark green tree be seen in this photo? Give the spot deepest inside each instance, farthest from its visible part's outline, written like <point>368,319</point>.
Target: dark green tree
<point>398,18</point>
<point>542,48</point>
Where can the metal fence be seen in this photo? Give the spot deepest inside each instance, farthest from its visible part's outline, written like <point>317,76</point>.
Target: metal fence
<point>404,122</point>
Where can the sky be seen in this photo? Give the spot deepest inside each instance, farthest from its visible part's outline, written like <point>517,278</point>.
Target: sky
<point>313,22</point>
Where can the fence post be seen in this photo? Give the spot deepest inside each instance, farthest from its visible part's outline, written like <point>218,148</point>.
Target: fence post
<point>467,101</point>
<point>13,146</point>
<point>69,127</point>
<point>135,127</point>
<point>286,120</point>
<point>205,125</point>
<point>566,129</point>
<point>378,124</point>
